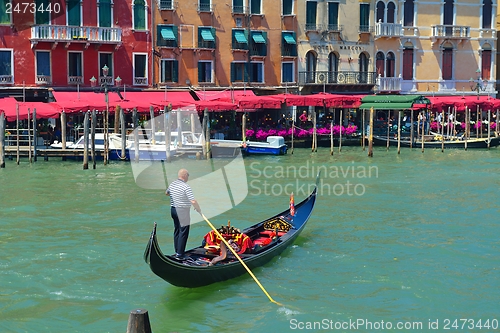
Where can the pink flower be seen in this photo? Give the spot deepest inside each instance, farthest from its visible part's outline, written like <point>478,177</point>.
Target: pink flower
<point>250,133</point>
<point>435,125</point>
<point>261,135</point>
<point>493,125</point>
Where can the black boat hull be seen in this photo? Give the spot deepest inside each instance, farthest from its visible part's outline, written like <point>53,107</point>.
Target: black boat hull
<point>460,144</point>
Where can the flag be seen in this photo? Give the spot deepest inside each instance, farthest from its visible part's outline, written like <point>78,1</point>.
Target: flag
<point>292,205</point>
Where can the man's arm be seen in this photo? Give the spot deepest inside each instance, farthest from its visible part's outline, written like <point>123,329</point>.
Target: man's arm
<point>196,206</point>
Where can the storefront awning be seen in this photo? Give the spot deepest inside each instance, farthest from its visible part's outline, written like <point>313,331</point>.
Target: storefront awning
<point>392,102</point>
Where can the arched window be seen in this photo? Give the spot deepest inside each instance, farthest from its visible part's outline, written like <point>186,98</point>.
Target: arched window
<point>447,65</point>
<point>139,13</point>
<point>333,67</point>
<point>409,12</point>
<point>390,65</point>
<point>487,14</point>
<point>391,12</point>
<point>380,12</point>
<point>408,62</point>
<point>380,64</point>
<point>310,66</point>
<point>363,68</point>
<point>486,62</point>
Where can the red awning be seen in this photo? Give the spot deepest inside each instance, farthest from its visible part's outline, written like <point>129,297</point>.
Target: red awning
<point>215,105</point>
<point>228,95</point>
<point>43,110</point>
<point>459,103</point>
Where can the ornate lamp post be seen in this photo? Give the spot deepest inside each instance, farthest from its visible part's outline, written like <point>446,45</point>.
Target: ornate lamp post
<point>479,84</point>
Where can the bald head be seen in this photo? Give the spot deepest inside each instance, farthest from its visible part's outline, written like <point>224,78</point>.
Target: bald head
<point>183,174</point>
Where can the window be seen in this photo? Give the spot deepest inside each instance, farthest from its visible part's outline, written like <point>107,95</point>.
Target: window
<point>42,67</point>
<point>239,72</point>
<point>238,7</point>
<point>380,64</point>
<point>6,65</point>
<point>287,9</point>
<point>255,7</point>
<point>106,59</point>
<point>333,16</point>
<point>409,11</point>
<point>364,17</point>
<point>448,12</point>
<point>74,16</point>
<point>310,67</point>
<point>140,69</point>
<point>408,63</point>
<point>205,71</point>
<point>333,67</point>
<point>42,17</point>
<point>4,16</point>
<point>240,39</point>
<point>487,10</point>
<point>204,6</point>
<point>287,72</point>
<point>288,44</point>
<point>75,68</point>
<point>256,72</point>
<point>105,13</point>
<point>311,11</point>
<point>447,62</point>
<point>169,69</point>
<point>166,35</point>
<point>206,37</point>
<point>486,63</point>
<point>391,12</point>
<point>390,65</point>
<point>363,68</point>
<point>380,12</point>
<point>166,4</point>
<point>258,43</point>
<point>139,15</point>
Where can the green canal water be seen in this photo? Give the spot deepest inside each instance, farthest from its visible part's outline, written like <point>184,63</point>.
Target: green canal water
<point>393,240</point>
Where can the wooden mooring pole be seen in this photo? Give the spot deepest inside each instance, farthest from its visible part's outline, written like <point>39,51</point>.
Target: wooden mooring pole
<point>340,130</point>
<point>399,132</point>
<point>35,134</point>
<point>17,133</point>
<point>138,322</point>
<point>30,159</point>
<point>207,133</point>
<point>168,135</point>
<point>136,134</point>
<point>489,128</point>
<point>370,136</point>
<point>92,138</point>
<point>331,137</point>
<point>123,128</point>
<point>2,140</point>
<point>86,141</point>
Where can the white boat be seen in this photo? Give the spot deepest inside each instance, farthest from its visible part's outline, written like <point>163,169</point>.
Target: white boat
<point>114,146</point>
<point>152,149</point>
<point>274,145</point>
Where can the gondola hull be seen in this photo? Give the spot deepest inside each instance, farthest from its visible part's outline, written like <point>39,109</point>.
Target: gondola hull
<point>471,143</point>
<point>184,273</point>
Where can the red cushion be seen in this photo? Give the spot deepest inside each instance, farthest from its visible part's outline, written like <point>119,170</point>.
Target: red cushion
<point>262,241</point>
<point>270,233</point>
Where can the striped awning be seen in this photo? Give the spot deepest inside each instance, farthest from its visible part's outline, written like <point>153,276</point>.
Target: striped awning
<point>258,38</point>
<point>207,36</point>
<point>167,33</point>
<point>240,37</point>
<point>288,37</point>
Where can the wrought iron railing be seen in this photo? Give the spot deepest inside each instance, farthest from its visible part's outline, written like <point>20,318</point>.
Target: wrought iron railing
<point>365,29</point>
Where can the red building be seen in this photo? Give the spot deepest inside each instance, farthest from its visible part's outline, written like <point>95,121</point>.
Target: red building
<point>63,44</point>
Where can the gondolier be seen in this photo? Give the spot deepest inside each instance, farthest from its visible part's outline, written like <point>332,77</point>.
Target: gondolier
<point>181,200</point>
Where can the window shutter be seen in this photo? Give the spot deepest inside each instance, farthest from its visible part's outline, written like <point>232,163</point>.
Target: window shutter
<point>232,72</point>
<point>175,71</point>
<point>408,64</point>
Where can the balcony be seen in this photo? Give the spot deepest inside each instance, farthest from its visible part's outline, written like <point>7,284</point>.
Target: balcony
<point>167,5</point>
<point>140,81</point>
<point>43,79</point>
<point>239,10</point>
<point>6,79</point>
<point>336,78</point>
<point>487,33</point>
<point>73,34</point>
<point>74,80</point>
<point>388,30</point>
<point>450,32</point>
<point>365,29</point>
<point>106,80</point>
<point>389,84</point>
<point>206,8</point>
<point>313,27</point>
<point>334,28</point>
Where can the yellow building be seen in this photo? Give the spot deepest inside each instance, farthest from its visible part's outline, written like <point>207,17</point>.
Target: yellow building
<point>435,48</point>
<point>336,46</point>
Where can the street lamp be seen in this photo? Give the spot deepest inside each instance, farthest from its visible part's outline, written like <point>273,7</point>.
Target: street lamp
<point>479,84</point>
<point>104,87</point>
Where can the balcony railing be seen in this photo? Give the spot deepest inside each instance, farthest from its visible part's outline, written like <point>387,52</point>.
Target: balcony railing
<point>313,27</point>
<point>43,79</point>
<point>334,28</point>
<point>487,33</point>
<point>337,77</point>
<point>75,80</point>
<point>108,80</point>
<point>6,79</point>
<point>66,33</point>
<point>140,81</point>
<point>206,7</point>
<point>388,30</point>
<point>365,29</point>
<point>388,84</point>
<point>451,31</point>
<point>167,5</point>
<point>240,10</point>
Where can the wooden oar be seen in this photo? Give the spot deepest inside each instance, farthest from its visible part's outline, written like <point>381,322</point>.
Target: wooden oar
<point>241,260</point>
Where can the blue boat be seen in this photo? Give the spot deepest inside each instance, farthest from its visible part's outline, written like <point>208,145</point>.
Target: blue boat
<point>275,145</point>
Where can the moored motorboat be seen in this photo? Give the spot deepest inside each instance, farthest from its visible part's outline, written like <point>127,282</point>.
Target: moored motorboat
<point>274,145</point>
<point>114,145</point>
<point>193,269</point>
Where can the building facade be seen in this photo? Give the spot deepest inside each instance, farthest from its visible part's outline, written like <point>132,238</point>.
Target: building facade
<point>63,44</point>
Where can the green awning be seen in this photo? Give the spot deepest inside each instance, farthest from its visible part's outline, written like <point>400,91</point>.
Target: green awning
<point>207,35</point>
<point>392,102</point>
<point>167,33</point>
<point>240,37</point>
<point>386,106</point>
<point>258,38</point>
<point>289,38</point>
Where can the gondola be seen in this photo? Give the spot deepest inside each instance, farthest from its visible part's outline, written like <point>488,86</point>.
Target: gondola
<point>192,271</point>
<point>451,143</point>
